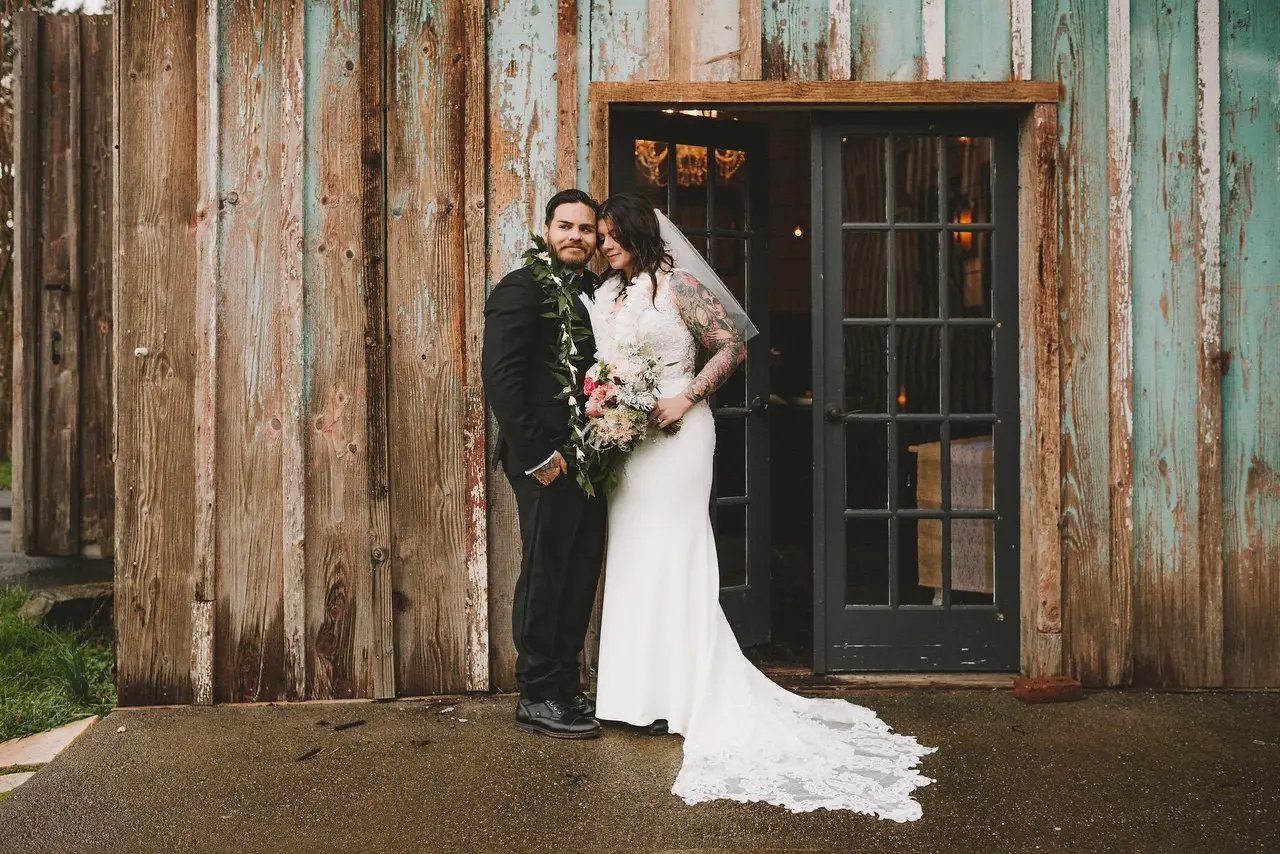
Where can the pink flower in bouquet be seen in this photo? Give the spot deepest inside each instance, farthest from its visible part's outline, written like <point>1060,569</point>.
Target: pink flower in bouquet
<point>593,408</point>
<point>589,384</point>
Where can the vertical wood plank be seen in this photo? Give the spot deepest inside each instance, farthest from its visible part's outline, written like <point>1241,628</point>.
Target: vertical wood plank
<point>659,39</point>
<point>619,38</point>
<point>1070,45</point>
<point>26,276</point>
<point>522,104</point>
<point>339,576</point>
<point>154,329</point>
<point>60,292</point>
<point>585,49</point>
<point>839,39</point>
<point>292,319</point>
<point>208,227</point>
<point>97,478</point>
<point>1250,46</point>
<point>1208,230</point>
<point>795,39</point>
<point>1040,396</point>
<point>1173,599</point>
<point>1120,298</point>
<point>933,27</point>
<point>1020,39</point>
<point>475,168</point>
<point>704,43</point>
<point>426,142</point>
<point>887,40</point>
<point>978,40</point>
<point>750,39</point>
<point>567,93</point>
<point>373,250</point>
<point>246,255</point>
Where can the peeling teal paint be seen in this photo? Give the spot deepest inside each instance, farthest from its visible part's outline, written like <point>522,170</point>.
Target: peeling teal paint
<point>978,40</point>
<point>619,38</point>
<point>522,67</point>
<point>1070,45</point>
<point>1169,592</point>
<point>886,40</point>
<point>795,39</point>
<point>1250,43</point>
<point>584,81</point>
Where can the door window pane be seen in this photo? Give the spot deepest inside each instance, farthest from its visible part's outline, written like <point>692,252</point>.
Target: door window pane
<point>866,457</point>
<point>862,161</point>
<point>971,375</point>
<point>915,166</point>
<point>866,370</point>
<point>731,457</point>
<point>731,545</point>
<point>691,186</point>
<point>969,274</point>
<point>865,272</point>
<point>652,171</point>
<point>973,470</point>
<point>920,556</point>
<point>731,189</point>
<point>866,562</point>
<point>969,176</point>
<point>919,369</point>
<point>973,561</point>
<point>916,273</point>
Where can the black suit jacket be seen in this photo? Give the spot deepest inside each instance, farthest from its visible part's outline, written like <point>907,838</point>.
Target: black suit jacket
<point>532,418</point>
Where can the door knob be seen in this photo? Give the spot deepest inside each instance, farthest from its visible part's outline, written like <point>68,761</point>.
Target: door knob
<point>759,406</point>
<point>834,413</point>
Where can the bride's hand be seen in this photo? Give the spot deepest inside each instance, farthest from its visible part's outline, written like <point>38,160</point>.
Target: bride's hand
<point>669,410</point>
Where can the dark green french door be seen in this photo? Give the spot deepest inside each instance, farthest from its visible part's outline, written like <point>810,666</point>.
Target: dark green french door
<point>916,416</point>
<point>708,176</point>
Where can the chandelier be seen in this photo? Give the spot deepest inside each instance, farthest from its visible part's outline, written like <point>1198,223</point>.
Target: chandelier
<point>691,163</point>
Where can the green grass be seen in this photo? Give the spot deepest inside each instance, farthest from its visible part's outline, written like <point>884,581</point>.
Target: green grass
<point>48,676</point>
<point>6,474</point>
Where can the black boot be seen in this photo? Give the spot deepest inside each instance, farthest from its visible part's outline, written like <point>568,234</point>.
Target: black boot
<point>581,705</point>
<point>658,727</point>
<point>553,718</point>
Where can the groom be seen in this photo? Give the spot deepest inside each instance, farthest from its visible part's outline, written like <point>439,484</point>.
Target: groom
<point>561,529</point>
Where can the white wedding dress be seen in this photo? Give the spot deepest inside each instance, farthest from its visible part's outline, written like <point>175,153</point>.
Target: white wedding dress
<point>666,649</point>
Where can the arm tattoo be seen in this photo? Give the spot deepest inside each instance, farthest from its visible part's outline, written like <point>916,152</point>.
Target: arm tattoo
<point>706,318</point>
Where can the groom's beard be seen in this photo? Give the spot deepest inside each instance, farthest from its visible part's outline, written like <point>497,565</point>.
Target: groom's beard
<point>579,259</point>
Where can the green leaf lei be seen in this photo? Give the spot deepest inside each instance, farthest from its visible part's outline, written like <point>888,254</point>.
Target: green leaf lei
<point>590,467</point>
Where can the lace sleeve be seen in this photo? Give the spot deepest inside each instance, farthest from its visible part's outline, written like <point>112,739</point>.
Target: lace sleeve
<point>706,319</point>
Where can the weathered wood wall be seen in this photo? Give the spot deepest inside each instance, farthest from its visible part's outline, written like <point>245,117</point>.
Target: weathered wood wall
<point>62,477</point>
<point>304,506</point>
<point>302,427</point>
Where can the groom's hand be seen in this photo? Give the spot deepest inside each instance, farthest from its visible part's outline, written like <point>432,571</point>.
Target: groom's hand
<point>555,467</point>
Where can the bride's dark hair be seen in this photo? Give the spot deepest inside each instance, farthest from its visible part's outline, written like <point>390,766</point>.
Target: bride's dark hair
<point>635,227</point>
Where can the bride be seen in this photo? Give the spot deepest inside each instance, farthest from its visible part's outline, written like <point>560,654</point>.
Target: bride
<point>668,658</point>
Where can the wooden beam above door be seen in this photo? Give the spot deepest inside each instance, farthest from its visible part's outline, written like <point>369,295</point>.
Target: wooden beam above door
<point>930,93</point>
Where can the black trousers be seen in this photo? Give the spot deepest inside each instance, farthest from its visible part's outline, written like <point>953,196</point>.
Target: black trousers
<point>562,535</point>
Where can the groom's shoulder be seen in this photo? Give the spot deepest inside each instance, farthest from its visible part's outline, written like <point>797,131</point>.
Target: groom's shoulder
<point>518,286</point>
<point>520,276</point>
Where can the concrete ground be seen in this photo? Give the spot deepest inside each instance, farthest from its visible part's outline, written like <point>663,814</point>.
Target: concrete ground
<point>1124,772</point>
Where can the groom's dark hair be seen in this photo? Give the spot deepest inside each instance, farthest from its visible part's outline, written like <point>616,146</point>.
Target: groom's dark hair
<point>570,197</point>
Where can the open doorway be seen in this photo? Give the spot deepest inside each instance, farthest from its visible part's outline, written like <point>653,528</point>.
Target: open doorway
<point>867,459</point>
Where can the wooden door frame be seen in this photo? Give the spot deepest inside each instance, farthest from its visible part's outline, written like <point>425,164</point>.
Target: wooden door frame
<point>1040,392</point>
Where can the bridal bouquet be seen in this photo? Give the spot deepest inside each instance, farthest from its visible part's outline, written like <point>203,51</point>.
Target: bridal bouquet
<point>619,398</point>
